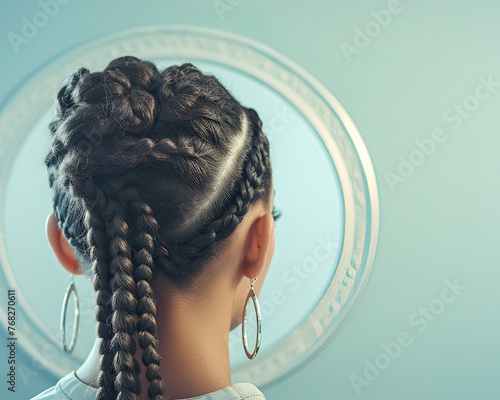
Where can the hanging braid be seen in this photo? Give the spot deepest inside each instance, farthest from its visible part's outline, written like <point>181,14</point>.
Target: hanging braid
<point>150,171</point>
<point>146,308</point>
<point>124,304</point>
<point>98,241</point>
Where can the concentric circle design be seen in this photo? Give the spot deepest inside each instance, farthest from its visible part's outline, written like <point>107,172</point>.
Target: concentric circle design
<point>313,101</point>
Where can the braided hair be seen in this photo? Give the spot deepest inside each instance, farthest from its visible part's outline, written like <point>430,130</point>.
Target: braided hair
<point>150,171</point>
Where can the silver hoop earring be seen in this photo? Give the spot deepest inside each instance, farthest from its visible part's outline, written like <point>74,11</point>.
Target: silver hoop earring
<point>71,289</point>
<point>253,296</point>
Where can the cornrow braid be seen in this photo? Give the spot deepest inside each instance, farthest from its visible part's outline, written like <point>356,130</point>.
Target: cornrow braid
<point>218,230</point>
<point>93,200</point>
<point>175,164</point>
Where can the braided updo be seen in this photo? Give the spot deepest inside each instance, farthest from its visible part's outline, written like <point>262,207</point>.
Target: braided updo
<point>150,171</point>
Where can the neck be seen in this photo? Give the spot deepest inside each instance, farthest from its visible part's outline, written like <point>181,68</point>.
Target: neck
<point>194,345</point>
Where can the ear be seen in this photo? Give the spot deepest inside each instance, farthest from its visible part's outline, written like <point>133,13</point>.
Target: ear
<point>60,246</point>
<point>260,242</point>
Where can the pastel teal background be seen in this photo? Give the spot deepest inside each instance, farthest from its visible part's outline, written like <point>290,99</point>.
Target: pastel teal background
<point>440,223</point>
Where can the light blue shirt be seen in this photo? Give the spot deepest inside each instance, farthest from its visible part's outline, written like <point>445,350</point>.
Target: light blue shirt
<point>70,387</point>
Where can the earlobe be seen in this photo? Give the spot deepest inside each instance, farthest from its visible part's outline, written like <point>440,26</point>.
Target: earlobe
<point>62,249</point>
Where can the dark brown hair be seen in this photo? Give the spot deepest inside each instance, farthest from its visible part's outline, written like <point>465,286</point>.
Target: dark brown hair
<point>150,172</point>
